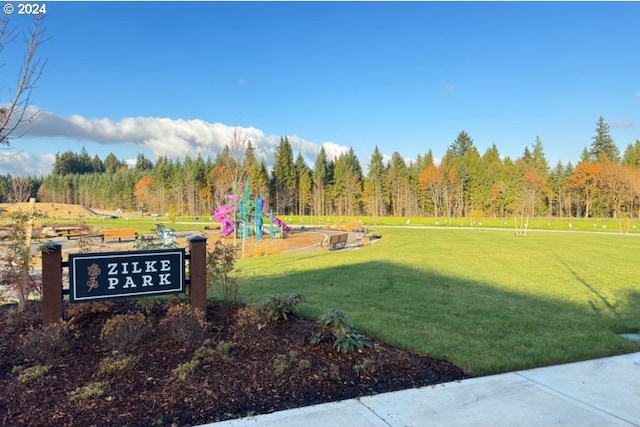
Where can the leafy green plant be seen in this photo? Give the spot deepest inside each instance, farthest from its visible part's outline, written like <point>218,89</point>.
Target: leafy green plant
<point>220,268</point>
<point>345,338</point>
<point>280,307</point>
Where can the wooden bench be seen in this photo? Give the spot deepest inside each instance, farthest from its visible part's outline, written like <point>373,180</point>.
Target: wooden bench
<point>119,233</point>
<point>70,231</point>
<point>338,240</point>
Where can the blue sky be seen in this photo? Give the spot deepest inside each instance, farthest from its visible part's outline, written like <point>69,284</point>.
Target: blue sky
<point>170,78</point>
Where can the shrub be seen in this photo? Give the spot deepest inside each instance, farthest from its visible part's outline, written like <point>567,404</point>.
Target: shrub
<point>17,260</point>
<point>280,307</point>
<point>47,343</point>
<point>220,266</point>
<point>185,370</point>
<point>117,363</point>
<point>183,323</point>
<point>94,389</point>
<point>345,338</point>
<point>205,353</point>
<point>90,316</point>
<point>282,363</point>
<point>252,317</point>
<point>26,375</point>
<point>124,331</point>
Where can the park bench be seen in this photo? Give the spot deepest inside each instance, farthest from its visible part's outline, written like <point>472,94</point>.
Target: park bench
<point>338,240</point>
<point>69,231</point>
<point>119,233</point>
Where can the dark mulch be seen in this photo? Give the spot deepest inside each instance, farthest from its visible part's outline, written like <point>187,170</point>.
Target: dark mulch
<point>268,368</point>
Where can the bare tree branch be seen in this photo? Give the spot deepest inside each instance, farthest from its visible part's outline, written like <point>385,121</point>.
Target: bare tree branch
<point>15,113</point>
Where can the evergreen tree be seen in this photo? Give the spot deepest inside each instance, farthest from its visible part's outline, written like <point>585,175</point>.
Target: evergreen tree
<point>398,179</point>
<point>284,177</point>
<point>538,159</point>
<point>603,149</point>
<point>631,156</point>
<point>97,165</point>
<point>303,184</point>
<point>375,184</point>
<point>320,181</point>
<point>112,164</point>
<point>143,164</point>
<point>347,184</point>
<point>461,144</point>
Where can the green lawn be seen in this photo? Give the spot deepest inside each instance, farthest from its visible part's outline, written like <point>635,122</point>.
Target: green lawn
<point>484,299</point>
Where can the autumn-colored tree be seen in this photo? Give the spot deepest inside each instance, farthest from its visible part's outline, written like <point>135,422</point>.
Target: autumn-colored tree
<point>142,189</point>
<point>616,185</point>
<point>432,178</point>
<point>584,183</point>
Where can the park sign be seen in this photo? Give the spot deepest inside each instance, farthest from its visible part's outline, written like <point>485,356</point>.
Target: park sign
<point>110,275</point>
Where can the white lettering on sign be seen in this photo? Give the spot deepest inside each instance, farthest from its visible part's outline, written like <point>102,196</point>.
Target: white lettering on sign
<point>133,274</point>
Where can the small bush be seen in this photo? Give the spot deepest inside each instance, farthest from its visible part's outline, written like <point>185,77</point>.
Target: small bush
<point>282,363</point>
<point>205,353</point>
<point>47,343</point>
<point>220,268</point>
<point>124,331</point>
<point>183,323</point>
<point>251,318</point>
<point>185,370</point>
<point>95,389</point>
<point>26,375</point>
<point>117,363</point>
<point>80,313</point>
<point>345,338</point>
<point>280,307</point>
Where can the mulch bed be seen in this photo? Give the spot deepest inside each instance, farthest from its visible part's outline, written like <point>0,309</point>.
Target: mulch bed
<point>253,368</point>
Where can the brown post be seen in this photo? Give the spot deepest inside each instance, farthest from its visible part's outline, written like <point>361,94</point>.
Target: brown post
<point>198,271</point>
<point>51,283</point>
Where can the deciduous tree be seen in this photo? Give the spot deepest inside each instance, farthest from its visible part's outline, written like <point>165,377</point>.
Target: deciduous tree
<point>15,112</point>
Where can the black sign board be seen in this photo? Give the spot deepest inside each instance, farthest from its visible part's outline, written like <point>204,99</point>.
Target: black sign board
<point>109,275</point>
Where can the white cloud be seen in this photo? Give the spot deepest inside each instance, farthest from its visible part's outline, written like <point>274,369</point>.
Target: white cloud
<point>637,95</point>
<point>332,149</point>
<point>622,123</point>
<point>174,138</point>
<point>20,163</point>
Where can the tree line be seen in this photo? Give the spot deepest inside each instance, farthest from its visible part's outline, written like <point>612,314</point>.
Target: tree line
<point>465,183</point>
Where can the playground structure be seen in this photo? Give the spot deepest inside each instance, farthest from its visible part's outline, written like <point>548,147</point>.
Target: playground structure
<point>244,217</point>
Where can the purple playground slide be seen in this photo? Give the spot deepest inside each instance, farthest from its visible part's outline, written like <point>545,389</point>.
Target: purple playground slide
<point>222,216</point>
<point>280,223</point>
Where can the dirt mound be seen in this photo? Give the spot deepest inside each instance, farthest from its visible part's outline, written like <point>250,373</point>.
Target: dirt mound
<point>53,210</point>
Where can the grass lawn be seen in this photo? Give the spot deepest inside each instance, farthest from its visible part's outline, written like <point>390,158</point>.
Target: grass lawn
<point>484,299</point>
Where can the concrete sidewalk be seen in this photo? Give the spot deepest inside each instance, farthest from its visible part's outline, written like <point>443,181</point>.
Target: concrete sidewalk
<point>602,392</point>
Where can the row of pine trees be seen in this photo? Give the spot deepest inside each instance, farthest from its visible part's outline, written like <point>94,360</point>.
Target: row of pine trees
<point>464,183</point>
